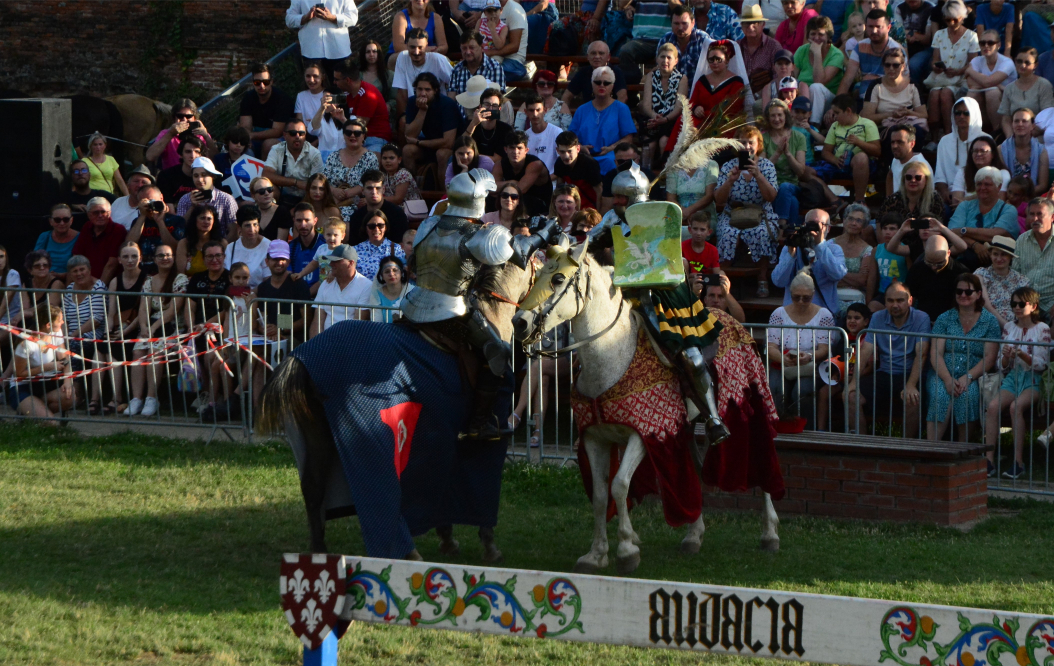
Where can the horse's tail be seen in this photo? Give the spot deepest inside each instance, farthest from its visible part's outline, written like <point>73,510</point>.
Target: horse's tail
<point>288,394</point>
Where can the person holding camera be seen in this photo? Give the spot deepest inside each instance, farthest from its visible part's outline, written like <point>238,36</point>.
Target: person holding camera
<point>167,145</point>
<point>807,247</point>
<point>205,193</point>
<point>154,226</point>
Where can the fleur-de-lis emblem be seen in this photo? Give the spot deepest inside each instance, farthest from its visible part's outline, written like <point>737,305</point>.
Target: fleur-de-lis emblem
<point>311,615</point>
<point>324,586</point>
<point>299,585</point>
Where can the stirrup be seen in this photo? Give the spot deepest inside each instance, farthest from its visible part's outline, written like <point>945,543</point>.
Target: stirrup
<point>716,431</point>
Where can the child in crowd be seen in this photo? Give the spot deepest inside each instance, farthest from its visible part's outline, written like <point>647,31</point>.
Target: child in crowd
<point>492,29</point>
<point>236,320</point>
<point>857,318</point>
<point>1018,193</point>
<point>698,254</point>
<point>801,109</point>
<point>399,184</point>
<point>334,233</point>
<point>854,33</point>
<point>583,221</point>
<point>890,266</point>
<point>788,90</point>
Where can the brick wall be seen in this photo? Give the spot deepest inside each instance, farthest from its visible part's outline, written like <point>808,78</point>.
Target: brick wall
<point>108,47</point>
<point>873,489</point>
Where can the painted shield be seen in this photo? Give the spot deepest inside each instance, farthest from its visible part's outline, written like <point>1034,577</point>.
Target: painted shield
<point>650,256</point>
<point>312,587</point>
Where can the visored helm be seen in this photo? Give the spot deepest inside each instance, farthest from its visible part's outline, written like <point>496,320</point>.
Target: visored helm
<point>631,184</point>
<point>467,193</point>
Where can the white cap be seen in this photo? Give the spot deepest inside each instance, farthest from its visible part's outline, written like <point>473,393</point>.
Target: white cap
<point>206,164</point>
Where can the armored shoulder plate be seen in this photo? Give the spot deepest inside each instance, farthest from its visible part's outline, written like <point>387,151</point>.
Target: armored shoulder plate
<point>491,245</point>
<point>424,229</point>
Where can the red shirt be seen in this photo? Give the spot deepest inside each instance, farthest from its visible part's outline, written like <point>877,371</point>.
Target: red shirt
<point>700,262</point>
<point>370,104</point>
<point>99,249</point>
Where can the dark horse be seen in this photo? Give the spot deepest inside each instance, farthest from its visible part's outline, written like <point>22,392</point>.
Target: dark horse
<point>372,412</point>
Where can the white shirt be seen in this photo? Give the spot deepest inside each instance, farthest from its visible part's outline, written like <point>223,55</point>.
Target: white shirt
<point>896,166</point>
<point>1044,121</point>
<point>406,71</point>
<point>516,19</point>
<point>1002,64</point>
<point>255,259</point>
<point>123,213</point>
<point>323,39</point>
<point>356,293</point>
<point>37,356</point>
<point>543,145</point>
<point>330,137</point>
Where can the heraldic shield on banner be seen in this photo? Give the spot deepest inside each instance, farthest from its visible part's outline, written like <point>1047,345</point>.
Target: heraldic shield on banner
<point>651,255</point>
<point>312,587</point>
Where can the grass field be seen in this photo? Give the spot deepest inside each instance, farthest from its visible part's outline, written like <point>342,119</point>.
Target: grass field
<point>131,549</point>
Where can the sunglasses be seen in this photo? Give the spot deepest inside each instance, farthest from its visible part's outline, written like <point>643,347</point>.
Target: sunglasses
<point>355,133</point>
<point>45,266</point>
<point>264,190</point>
<point>715,59</point>
<point>62,219</point>
<point>1018,304</point>
<point>510,195</point>
<point>987,42</point>
<point>1026,63</point>
<point>184,116</point>
<point>893,64</point>
<point>80,171</point>
<point>961,113</point>
<point>378,225</point>
<point>295,133</point>
<point>914,177</point>
<point>603,83</point>
<point>238,143</point>
<point>263,83</point>
<point>964,292</point>
<point>213,257</point>
<point>545,84</point>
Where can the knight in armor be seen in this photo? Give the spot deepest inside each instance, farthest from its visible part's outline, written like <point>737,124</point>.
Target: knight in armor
<point>448,250</point>
<point>628,188</point>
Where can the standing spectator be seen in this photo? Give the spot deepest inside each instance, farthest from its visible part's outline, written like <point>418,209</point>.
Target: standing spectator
<point>1028,92</point>
<point>717,20</point>
<point>250,248</point>
<point>399,185</point>
<point>691,42</point>
<point>101,241</point>
<point>84,309</point>
<point>375,247</point>
<point>489,133</point>
<point>204,173</point>
<point>603,123</point>
<point>792,31</point>
<point>651,22</point>
<point>895,101</point>
<point>366,103</point>
<point>999,281</point>
<point>1024,365</point>
<point>997,16</point>
<point>346,287</point>
<point>851,145</point>
<point>275,220</point>
<point>661,102</point>
<point>124,210</point>
<point>176,181</point>
<point>819,66</point>
<point>475,63</point>
<point>541,134</point>
<point>758,49</point>
<point>828,266</point>
<point>201,228</point>
<point>414,62</point>
<point>1034,262</point>
<point>322,28</point>
<point>58,242</point>
<point>529,173</point>
<point>320,114</point>
<point>865,59</point>
<point>514,53</point>
<point>934,278</point>
<point>915,196</point>
<point>902,146</point>
<point>418,15</point>
<point>265,112</point>
<point>958,363</point>
<point>81,193</point>
<point>579,169</point>
<point>986,77</point>
<point>861,279</point>
<point>105,172</point>
<point>373,201</point>
<point>983,153</point>
<point>305,243</point>
<point>556,113</point>
<point>167,146</point>
<point>1025,155</point>
<point>466,158</point>
<point>291,163</point>
<point>154,226</point>
<point>953,49</point>
<point>897,387</point>
<point>344,167</point>
<point>954,148</point>
<point>914,15</point>
<point>753,186</point>
<point>580,88</point>
<point>431,123</point>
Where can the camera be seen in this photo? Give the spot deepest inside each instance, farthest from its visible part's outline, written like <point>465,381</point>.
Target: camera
<point>340,98</point>
<point>194,124</point>
<point>156,206</point>
<point>920,223</point>
<point>800,235</point>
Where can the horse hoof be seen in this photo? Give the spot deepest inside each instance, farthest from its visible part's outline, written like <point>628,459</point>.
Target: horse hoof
<point>450,548</point>
<point>690,547</point>
<point>414,556</point>
<point>628,564</point>
<point>493,556</point>
<point>585,567</point>
<point>770,545</point>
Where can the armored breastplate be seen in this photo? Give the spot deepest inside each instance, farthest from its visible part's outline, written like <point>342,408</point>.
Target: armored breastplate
<point>442,263</point>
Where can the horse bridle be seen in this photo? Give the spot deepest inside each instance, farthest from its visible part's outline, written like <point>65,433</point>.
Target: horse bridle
<point>502,297</point>
<point>539,326</point>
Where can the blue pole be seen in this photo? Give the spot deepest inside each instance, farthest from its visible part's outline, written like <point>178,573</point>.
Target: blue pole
<point>325,655</point>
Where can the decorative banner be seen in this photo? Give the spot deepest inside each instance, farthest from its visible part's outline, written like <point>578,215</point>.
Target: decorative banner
<point>312,589</point>
<point>705,618</point>
<point>243,171</point>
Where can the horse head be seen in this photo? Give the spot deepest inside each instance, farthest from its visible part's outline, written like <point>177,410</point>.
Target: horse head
<point>498,291</point>
<point>547,304</point>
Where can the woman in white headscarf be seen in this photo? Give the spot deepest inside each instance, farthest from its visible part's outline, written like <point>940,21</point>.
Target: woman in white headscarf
<point>720,79</point>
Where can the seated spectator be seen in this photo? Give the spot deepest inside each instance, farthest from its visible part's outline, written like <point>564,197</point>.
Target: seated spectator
<point>153,226</point>
<point>801,110</point>
<point>84,310</point>
<point>1024,365</point>
<point>861,279</point>
<point>291,162</point>
<point>651,22</point>
<point>373,201</point>
<point>123,310</point>
<point>693,189</point>
<point>510,208</point>
<point>691,42</point>
<point>580,88</point>
<point>794,352</point>
<point>828,266</point>
<point>958,363</point>
<point>1031,248</point>
<point>322,28</point>
<point>752,186</point>
<point>626,155</point>
<point>236,144</point>
<point>375,72</point>
<point>934,278</point>
<point>250,248</point>
<point>201,228</point>
<point>819,66</point>
<point>556,113</point>
<point>513,55</point>
<point>902,148</point>
<point>322,116</point>
<point>980,220</point>
<point>698,255</point>
<point>490,134</point>
<point>399,185</point>
<point>793,30</point>
<point>417,15</point>
<point>1025,155</point>
<point>390,285</point>
<point>105,172</point>
<point>983,153</point>
<point>409,66</point>
<point>58,242</point>
<point>758,49</point>
<point>345,287</point>
<point>854,32</point>
<point>265,112</point>
<point>997,16</point>
<point>44,356</point>
<point>954,147</point>
<point>466,157</point>
<point>334,231</point>
<point>528,172</point>
<point>275,219</point>
<point>1020,191</point>
<point>785,148</point>
<point>719,20</point>
<point>910,243</point>
<point>865,59</point>
<point>851,145</point>
<point>718,88</point>
<point>604,122</point>
<point>782,68</point>
<point>857,318</point>
<point>717,296</point>
<point>274,325</point>
<point>167,146</point>
<point>344,168</point>
<point>583,222</point>
<point>579,169</point>
<point>999,281</point>
<point>205,193</point>
<point>897,387</point>
<point>541,134</point>
<point>305,243</point>
<point>660,102</point>
<point>376,246</point>
<point>176,181</point>
<point>475,63</point>
<point>894,101</point>
<point>38,266</point>
<point>915,196</point>
<point>365,102</point>
<point>541,14</point>
<point>125,209</point>
<point>432,122</point>
<point>954,48</point>
<point>891,266</point>
<point>914,15</point>
<point>320,196</point>
<point>1029,91</point>
<point>986,77</point>
<point>100,241</point>
<point>81,193</point>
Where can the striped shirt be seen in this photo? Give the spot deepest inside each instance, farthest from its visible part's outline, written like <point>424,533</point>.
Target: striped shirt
<point>652,20</point>
<point>1037,265</point>
<point>93,307</point>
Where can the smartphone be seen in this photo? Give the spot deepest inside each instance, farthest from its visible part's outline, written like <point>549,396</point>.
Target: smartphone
<point>919,223</point>
<point>938,65</point>
<point>236,292</point>
<point>341,98</point>
<point>744,159</point>
<point>194,124</point>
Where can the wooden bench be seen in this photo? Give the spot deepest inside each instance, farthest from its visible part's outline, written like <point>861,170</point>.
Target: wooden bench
<point>871,477</point>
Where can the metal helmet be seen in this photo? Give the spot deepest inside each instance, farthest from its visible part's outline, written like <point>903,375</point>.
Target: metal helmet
<point>631,184</point>
<point>467,193</point>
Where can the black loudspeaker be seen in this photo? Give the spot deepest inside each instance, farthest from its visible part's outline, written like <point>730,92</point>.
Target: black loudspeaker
<point>33,178</point>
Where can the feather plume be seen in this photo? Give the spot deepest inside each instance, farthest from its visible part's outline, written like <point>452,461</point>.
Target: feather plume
<point>697,145</point>
<point>702,151</point>
<point>688,133</point>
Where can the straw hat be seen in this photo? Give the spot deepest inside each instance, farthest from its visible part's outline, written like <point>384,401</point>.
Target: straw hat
<point>752,14</point>
<point>473,90</point>
<point>1004,243</point>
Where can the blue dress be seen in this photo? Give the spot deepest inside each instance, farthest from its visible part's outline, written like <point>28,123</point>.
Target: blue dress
<point>960,356</point>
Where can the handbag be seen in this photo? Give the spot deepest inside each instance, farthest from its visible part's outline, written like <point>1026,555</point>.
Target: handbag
<point>189,379</point>
<point>416,210</point>
<point>990,385</point>
<point>746,216</point>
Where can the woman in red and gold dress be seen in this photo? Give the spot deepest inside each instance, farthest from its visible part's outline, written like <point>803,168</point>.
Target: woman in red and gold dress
<point>714,87</point>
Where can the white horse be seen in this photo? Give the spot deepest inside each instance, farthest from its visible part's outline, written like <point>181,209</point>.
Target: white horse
<point>573,287</point>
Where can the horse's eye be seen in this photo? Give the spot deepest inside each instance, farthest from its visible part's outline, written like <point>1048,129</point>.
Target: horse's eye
<point>559,278</point>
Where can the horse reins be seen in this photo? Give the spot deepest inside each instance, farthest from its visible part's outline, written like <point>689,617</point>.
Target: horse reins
<point>580,299</point>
